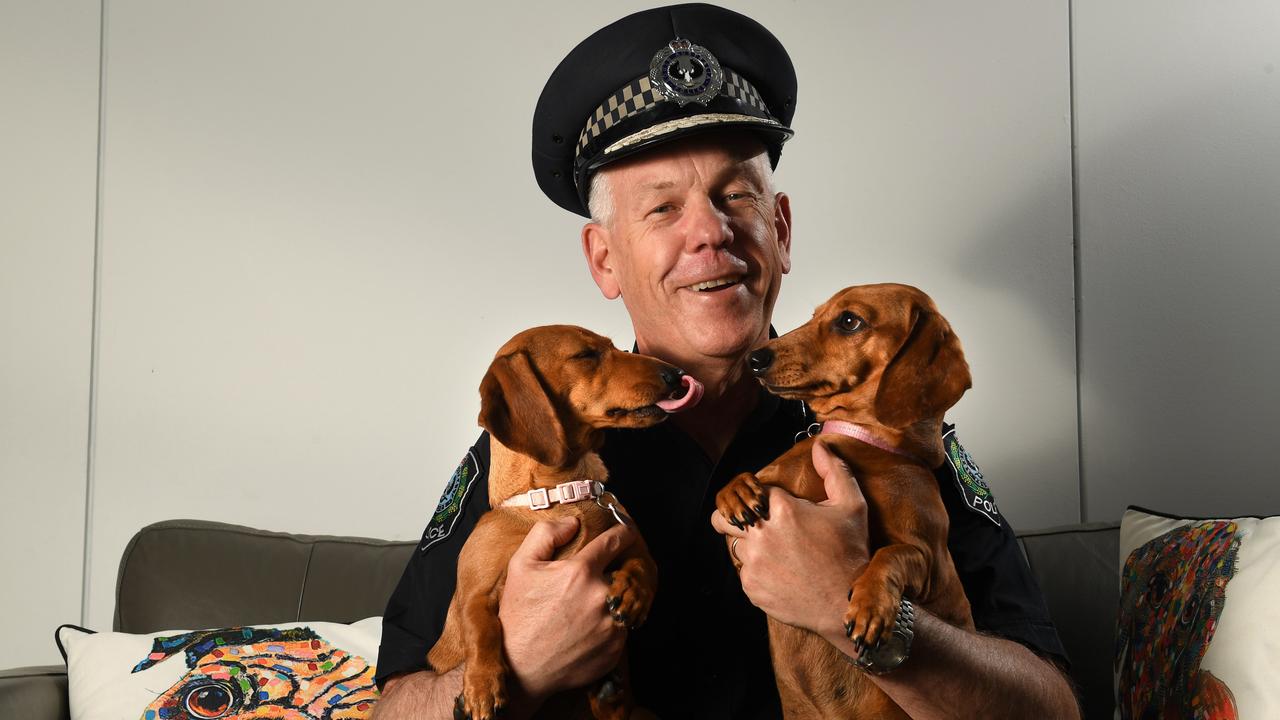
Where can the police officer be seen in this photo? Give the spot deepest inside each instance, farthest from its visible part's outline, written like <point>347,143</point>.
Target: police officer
<point>663,128</point>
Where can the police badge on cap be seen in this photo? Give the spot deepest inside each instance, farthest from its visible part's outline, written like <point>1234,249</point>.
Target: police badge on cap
<point>685,73</point>
<point>651,78</point>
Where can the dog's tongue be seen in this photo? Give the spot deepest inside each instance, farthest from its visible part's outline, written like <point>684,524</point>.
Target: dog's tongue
<point>691,397</point>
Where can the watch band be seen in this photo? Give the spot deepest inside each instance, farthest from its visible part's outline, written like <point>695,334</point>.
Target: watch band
<point>893,648</point>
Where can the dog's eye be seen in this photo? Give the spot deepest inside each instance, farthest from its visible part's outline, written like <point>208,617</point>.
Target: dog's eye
<point>587,354</point>
<point>848,323</point>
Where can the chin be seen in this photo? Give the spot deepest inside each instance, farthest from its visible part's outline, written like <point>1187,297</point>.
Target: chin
<point>726,340</point>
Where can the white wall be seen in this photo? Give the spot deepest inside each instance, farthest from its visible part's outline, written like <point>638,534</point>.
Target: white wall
<point>1178,124</point>
<point>318,221</point>
<point>48,172</point>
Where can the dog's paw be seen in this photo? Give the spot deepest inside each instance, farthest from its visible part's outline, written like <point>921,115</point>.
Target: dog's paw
<point>870,614</point>
<point>742,502</point>
<point>628,600</point>
<point>483,696</point>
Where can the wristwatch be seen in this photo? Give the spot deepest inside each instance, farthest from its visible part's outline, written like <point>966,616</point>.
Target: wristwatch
<point>892,649</point>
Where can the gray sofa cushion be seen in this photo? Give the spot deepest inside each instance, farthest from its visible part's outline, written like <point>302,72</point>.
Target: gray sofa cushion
<point>34,693</point>
<point>195,574</point>
<point>1077,568</point>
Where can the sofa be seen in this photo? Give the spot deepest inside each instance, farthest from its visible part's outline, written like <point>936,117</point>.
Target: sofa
<point>341,579</point>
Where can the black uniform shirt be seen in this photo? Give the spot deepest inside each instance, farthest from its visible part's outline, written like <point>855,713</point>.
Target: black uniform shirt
<point>704,651</point>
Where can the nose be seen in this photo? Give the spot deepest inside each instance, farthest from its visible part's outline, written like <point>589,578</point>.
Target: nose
<point>708,227</point>
<point>671,376</point>
<point>759,361</point>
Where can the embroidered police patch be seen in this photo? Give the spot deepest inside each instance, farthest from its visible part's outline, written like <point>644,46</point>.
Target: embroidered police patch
<point>450,505</point>
<point>973,488</point>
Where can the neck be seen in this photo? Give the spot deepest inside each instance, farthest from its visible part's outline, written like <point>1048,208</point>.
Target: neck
<point>512,472</point>
<point>729,398</point>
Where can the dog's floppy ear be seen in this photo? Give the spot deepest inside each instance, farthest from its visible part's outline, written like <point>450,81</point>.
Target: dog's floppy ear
<point>515,409</point>
<point>926,377</point>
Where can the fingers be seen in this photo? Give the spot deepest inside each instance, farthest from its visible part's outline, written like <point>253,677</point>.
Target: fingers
<point>841,487</point>
<point>547,535</point>
<point>606,546</point>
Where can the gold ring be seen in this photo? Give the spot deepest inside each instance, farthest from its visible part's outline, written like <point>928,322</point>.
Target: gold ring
<point>733,550</point>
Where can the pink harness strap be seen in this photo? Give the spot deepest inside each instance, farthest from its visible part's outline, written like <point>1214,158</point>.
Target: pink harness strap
<point>857,432</point>
<point>564,493</point>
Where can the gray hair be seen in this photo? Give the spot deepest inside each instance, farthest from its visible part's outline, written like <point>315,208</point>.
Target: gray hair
<point>600,199</point>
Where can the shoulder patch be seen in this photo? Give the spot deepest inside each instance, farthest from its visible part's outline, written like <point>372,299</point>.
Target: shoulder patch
<point>451,501</point>
<point>973,488</point>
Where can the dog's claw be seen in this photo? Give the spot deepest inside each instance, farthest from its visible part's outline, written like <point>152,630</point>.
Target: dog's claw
<point>848,629</point>
<point>460,710</point>
<point>760,511</point>
<point>612,603</point>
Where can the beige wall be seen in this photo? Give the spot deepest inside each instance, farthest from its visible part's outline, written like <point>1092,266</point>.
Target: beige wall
<point>48,170</point>
<point>1178,123</point>
<point>318,222</point>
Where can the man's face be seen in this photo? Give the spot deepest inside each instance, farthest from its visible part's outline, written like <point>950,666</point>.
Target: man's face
<point>696,246</point>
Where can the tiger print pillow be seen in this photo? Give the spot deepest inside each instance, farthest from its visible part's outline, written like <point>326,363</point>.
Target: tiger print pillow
<point>300,670</point>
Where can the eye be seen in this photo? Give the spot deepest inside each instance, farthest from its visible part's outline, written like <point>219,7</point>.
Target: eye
<point>848,323</point>
<point>663,209</point>
<point>588,354</point>
<point>210,700</point>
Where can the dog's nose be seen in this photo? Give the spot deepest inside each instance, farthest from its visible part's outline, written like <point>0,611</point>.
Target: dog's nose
<point>671,376</point>
<point>760,360</point>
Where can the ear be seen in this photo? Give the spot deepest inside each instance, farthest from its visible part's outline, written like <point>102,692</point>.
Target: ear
<point>595,246</point>
<point>926,377</point>
<point>515,409</point>
<point>782,224</point>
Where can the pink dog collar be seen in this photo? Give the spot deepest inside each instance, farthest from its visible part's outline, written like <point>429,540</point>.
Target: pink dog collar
<point>857,432</point>
<point>564,493</point>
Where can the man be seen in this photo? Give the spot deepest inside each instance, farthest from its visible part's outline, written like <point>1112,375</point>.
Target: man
<point>686,109</point>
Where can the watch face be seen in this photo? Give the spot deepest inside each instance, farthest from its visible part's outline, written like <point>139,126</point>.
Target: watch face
<point>891,652</point>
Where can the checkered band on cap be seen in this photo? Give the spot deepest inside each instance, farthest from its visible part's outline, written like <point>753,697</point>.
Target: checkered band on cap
<point>640,95</point>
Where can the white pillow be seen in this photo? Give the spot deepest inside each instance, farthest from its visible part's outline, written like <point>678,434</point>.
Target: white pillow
<point>1199,622</point>
<point>223,673</point>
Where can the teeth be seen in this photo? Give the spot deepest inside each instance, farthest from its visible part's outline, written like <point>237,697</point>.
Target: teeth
<point>713,284</point>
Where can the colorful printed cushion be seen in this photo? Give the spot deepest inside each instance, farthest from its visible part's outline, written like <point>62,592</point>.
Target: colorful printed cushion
<point>1199,625</point>
<point>294,670</point>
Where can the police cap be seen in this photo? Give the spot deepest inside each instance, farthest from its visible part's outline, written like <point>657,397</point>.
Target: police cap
<point>650,78</point>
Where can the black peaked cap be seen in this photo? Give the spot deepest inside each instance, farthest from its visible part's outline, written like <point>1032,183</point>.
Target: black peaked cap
<point>650,78</point>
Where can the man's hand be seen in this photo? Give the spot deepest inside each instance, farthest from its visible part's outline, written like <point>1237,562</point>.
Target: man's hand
<point>799,565</point>
<point>557,632</point>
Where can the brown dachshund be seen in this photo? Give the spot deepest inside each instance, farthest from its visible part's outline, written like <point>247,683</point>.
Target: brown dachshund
<point>545,400</point>
<point>879,366</point>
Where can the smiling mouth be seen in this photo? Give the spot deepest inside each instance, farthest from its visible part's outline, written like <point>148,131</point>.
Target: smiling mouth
<point>715,285</point>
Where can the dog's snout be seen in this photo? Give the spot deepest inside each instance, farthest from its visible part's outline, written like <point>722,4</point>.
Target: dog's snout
<point>671,376</point>
<point>760,360</point>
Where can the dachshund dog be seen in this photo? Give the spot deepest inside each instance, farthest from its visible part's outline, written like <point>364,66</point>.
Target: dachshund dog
<point>545,400</point>
<point>879,366</point>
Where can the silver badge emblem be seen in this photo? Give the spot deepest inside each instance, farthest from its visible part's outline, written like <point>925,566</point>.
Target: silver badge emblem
<point>685,73</point>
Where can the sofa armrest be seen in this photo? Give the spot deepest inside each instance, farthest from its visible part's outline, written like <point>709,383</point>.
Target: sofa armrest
<point>34,693</point>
